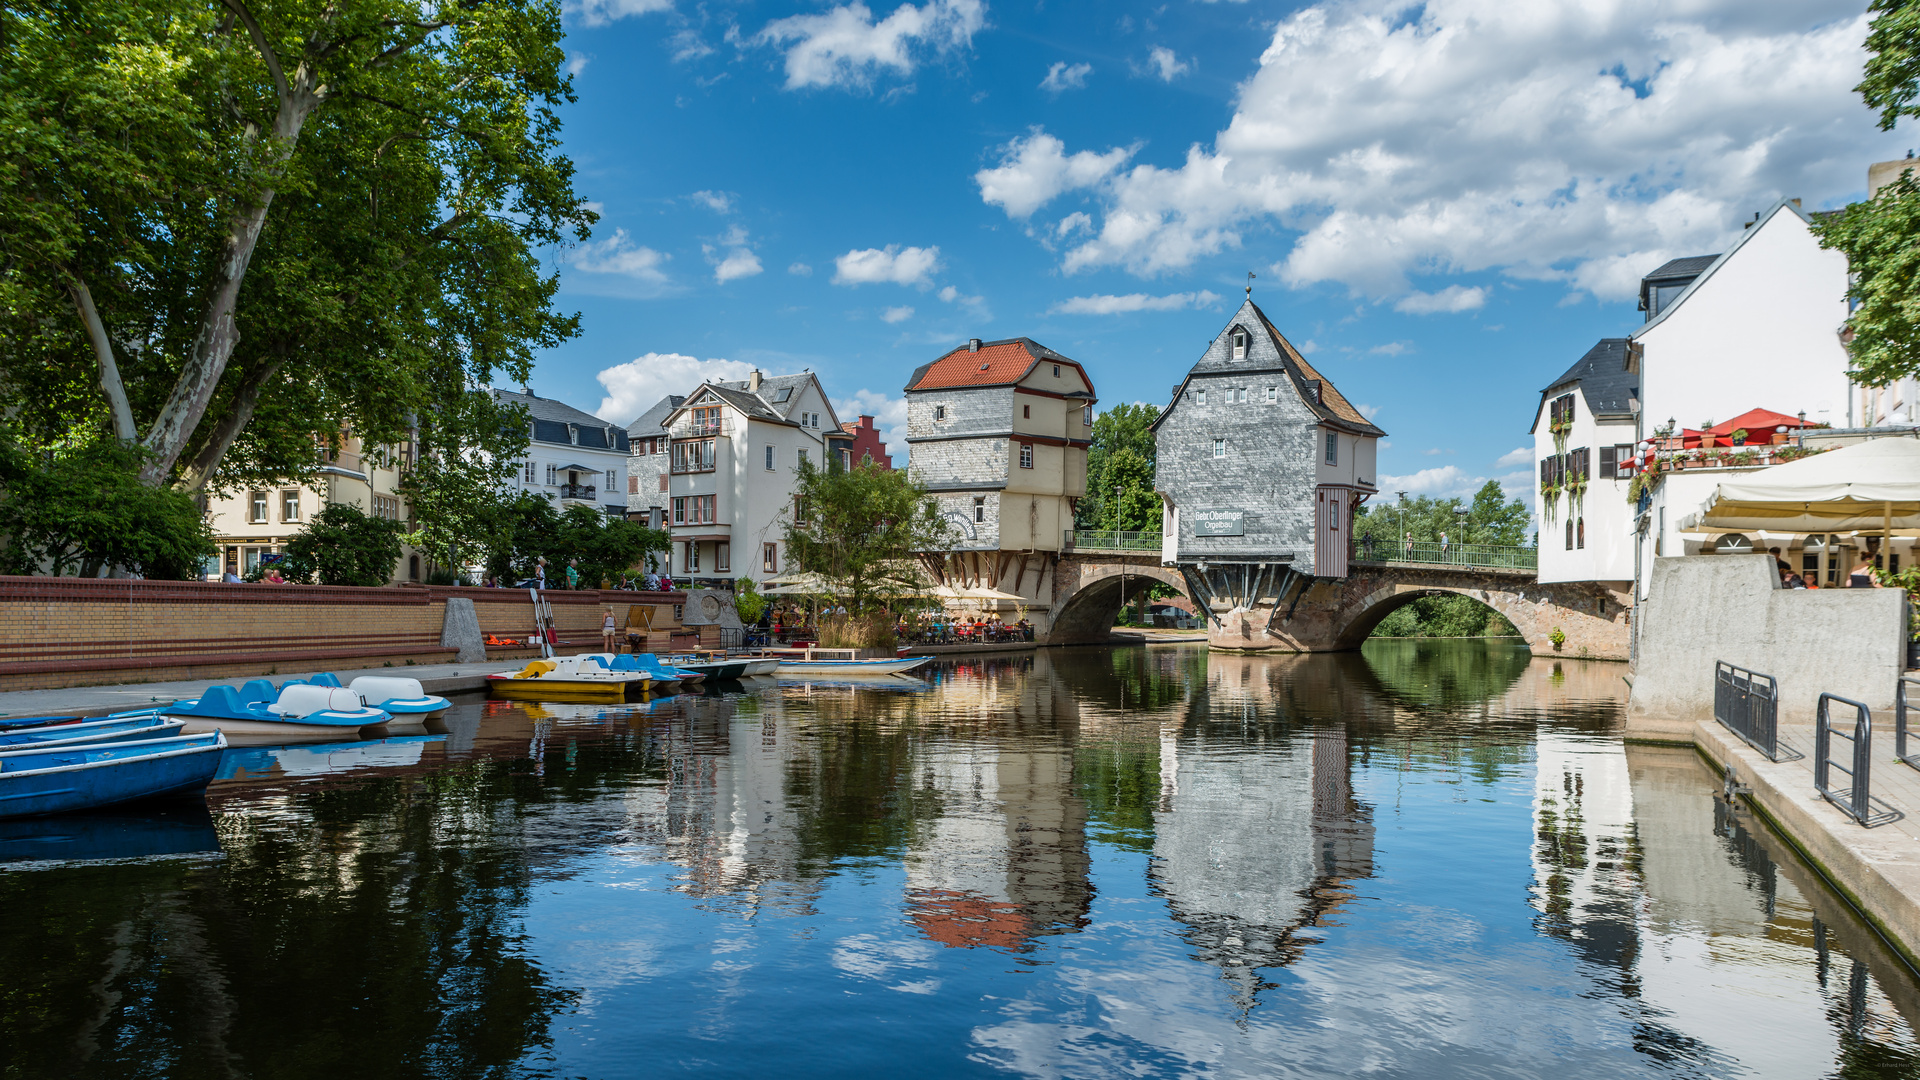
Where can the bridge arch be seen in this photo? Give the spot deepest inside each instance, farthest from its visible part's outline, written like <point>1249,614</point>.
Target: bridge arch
<point>1089,594</point>
<point>1367,611</point>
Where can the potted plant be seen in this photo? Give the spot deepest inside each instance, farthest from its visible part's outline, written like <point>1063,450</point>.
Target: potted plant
<point>1739,436</point>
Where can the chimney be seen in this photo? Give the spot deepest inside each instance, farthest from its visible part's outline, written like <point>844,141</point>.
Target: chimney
<point>528,390</point>
<point>973,344</point>
<point>1795,202</point>
<point>753,381</point>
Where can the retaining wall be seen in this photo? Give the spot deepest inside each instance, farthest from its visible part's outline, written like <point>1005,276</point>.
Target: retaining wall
<point>57,632</point>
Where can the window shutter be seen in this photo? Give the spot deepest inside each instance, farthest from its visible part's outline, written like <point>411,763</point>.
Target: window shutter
<point>1609,462</point>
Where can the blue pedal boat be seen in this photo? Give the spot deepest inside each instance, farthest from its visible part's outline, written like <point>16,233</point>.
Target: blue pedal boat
<point>647,664</point>
<point>57,779</point>
<point>403,697</point>
<point>129,729</point>
<point>257,712</point>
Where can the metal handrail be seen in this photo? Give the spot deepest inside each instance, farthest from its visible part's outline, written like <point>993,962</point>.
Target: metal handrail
<point>1113,540</point>
<point>1857,800</point>
<point>1432,552</point>
<point>1748,704</point>
<point>1900,719</point>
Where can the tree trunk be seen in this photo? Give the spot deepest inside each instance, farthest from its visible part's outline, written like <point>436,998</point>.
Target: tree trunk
<point>195,476</point>
<point>110,384</point>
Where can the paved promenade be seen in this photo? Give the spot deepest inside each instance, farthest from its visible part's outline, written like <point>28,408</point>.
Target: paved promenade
<point>1879,868</point>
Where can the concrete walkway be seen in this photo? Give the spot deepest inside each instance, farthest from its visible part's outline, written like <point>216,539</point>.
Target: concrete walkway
<point>1877,869</point>
<point>99,700</point>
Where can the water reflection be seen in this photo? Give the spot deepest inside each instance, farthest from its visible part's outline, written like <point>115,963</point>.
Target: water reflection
<point>1430,858</point>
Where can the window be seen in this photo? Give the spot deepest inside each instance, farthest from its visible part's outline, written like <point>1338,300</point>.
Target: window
<point>801,454</point>
<point>939,413</point>
<point>799,510</point>
<point>257,507</point>
<point>1609,462</point>
<point>573,434</point>
<point>1219,448</point>
<point>1056,371</point>
<point>1199,397</point>
<point>979,508</point>
<point>1239,341</point>
<point>679,511</point>
<point>706,420</point>
<point>769,457</point>
<point>1273,394</point>
<point>553,475</point>
<point>723,556</point>
<point>290,506</point>
<point>1569,534</point>
<point>1026,412</point>
<point>1580,533</point>
<point>693,455</point>
<point>770,558</point>
<point>846,459</point>
<point>613,481</point>
<point>693,557</point>
<point>1086,416</point>
<point>1026,455</point>
<point>386,507</point>
<point>1240,395</point>
<point>1560,413</point>
<point>1333,448</point>
<point>527,475</point>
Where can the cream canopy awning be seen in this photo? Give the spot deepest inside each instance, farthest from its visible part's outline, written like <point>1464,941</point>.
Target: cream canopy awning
<point>1868,487</point>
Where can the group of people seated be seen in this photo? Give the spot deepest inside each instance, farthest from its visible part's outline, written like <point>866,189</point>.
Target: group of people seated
<point>1860,577</point>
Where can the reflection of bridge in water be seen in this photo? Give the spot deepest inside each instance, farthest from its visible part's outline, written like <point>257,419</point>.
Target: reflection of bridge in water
<point>1271,607</point>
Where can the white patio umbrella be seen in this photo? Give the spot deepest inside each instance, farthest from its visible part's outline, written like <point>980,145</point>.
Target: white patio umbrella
<point>1870,487</point>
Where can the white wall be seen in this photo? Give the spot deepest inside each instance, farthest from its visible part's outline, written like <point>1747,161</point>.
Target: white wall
<point>1353,465</point>
<point>1760,332</point>
<point>1608,554</point>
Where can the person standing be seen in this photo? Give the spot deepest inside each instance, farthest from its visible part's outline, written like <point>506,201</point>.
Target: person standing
<point>607,629</point>
<point>1443,547</point>
<point>1861,576</point>
<point>540,573</point>
<point>573,574</point>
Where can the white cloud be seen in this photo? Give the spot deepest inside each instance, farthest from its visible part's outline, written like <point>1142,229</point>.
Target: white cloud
<point>1522,455</point>
<point>895,264</point>
<point>1583,143</point>
<point>1444,481</point>
<point>800,269</point>
<point>720,202</point>
<point>1452,299</point>
<point>577,63</point>
<point>1116,305</point>
<point>1075,222</point>
<point>635,386</point>
<point>1309,347</point>
<point>977,304</point>
<point>601,12</point>
<point>1164,64</point>
<point>1368,411</point>
<point>1062,77</point>
<point>845,47</point>
<point>1391,348</point>
<point>689,45</point>
<point>1035,168</point>
<point>889,415</point>
<point>731,257</point>
<point>618,254</point>
<point>896,314</point>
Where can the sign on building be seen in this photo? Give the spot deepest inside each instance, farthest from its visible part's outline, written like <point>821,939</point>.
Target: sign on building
<point>1218,522</point>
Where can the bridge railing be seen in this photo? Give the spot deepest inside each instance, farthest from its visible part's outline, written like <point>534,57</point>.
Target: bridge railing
<point>1111,540</point>
<point>1490,556</point>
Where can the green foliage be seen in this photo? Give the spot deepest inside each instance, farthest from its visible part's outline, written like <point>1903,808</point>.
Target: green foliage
<point>232,237</point>
<point>1558,637</point>
<point>1444,617</point>
<point>1122,455</point>
<point>82,510</point>
<point>1908,579</point>
<point>1893,71</point>
<point>861,529</point>
<point>343,545</point>
<point>1491,518</point>
<point>525,528</point>
<point>748,601</point>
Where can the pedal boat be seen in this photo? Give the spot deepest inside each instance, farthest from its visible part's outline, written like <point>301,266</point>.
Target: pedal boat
<point>257,714</point>
<point>584,679</point>
<point>58,779</point>
<point>400,697</point>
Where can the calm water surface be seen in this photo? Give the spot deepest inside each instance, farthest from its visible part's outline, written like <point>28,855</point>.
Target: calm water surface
<point>1425,860</point>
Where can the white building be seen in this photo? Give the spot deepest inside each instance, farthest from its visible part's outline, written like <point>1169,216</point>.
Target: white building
<point>573,458</point>
<point>1582,432</point>
<point>733,448</point>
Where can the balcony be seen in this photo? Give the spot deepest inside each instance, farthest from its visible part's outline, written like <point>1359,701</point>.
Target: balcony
<point>704,429</point>
<point>583,492</point>
<point>685,468</point>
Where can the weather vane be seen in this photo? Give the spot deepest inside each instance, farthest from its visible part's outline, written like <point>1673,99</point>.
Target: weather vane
<point>1249,284</point>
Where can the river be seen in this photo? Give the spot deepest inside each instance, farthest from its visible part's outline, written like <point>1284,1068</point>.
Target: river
<point>1426,859</point>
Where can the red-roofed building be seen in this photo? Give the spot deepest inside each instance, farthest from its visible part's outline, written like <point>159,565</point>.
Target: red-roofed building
<point>998,431</point>
<point>866,446</point>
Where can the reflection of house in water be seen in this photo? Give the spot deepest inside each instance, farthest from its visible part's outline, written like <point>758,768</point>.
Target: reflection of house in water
<point>1005,860</point>
<point>1254,844</point>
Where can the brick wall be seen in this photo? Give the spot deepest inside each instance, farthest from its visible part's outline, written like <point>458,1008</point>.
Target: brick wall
<point>82,632</point>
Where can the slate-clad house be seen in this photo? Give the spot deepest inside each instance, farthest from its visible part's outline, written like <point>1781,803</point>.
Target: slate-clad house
<point>574,457</point>
<point>1261,461</point>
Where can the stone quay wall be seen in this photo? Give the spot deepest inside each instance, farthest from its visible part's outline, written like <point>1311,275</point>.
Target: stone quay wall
<point>57,632</point>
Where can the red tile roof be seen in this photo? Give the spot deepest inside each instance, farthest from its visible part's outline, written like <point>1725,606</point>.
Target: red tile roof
<point>998,363</point>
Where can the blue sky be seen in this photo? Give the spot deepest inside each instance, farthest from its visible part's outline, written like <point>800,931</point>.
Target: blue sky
<point>1445,203</point>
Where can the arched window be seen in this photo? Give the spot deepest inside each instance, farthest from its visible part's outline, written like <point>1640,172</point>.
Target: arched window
<point>413,568</point>
<point>1239,341</point>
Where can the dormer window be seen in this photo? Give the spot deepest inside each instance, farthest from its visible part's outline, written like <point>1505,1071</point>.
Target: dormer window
<point>1056,371</point>
<point>573,434</point>
<point>1239,341</point>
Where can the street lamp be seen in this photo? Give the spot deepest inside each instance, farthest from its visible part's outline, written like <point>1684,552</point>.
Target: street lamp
<point>1402,517</point>
<point>1116,541</point>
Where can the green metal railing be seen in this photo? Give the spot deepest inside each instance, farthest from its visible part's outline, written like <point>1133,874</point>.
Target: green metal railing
<point>1433,553</point>
<point>1112,540</point>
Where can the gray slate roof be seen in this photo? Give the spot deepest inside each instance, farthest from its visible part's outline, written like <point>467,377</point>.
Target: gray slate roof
<point>1688,267</point>
<point>551,417</point>
<point>770,387</point>
<point>648,423</point>
<point>1601,377</point>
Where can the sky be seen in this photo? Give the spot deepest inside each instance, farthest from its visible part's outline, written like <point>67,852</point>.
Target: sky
<point>1443,204</point>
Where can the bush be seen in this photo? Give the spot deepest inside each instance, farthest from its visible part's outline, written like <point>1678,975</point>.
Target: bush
<point>84,510</point>
<point>748,601</point>
<point>344,546</point>
<point>871,631</point>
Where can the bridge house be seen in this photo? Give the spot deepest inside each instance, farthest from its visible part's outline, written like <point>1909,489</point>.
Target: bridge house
<point>1261,462</point>
<point>998,432</point>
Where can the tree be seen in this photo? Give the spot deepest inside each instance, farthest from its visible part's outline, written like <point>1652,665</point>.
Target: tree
<point>607,547</point>
<point>344,546</point>
<point>748,601</point>
<point>1491,518</point>
<point>1121,455</point>
<point>230,235</point>
<point>860,530</point>
<point>1881,237</point>
<point>80,511</point>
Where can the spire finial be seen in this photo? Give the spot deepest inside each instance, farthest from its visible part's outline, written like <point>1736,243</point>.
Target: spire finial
<point>1250,284</point>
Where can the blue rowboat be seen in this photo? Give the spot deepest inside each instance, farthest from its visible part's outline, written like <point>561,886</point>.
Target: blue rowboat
<point>132,729</point>
<point>36,721</point>
<point>56,779</point>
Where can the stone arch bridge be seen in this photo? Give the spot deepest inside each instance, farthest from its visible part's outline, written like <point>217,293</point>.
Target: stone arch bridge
<point>1267,608</point>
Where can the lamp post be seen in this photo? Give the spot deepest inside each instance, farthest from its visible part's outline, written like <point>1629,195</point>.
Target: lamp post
<point>1123,563</point>
<point>1401,524</point>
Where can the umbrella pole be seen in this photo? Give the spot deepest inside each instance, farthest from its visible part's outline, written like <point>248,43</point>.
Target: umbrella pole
<point>1886,535</point>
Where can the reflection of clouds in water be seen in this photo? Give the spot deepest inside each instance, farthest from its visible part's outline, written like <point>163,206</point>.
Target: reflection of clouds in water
<point>870,957</point>
<point>602,963</point>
